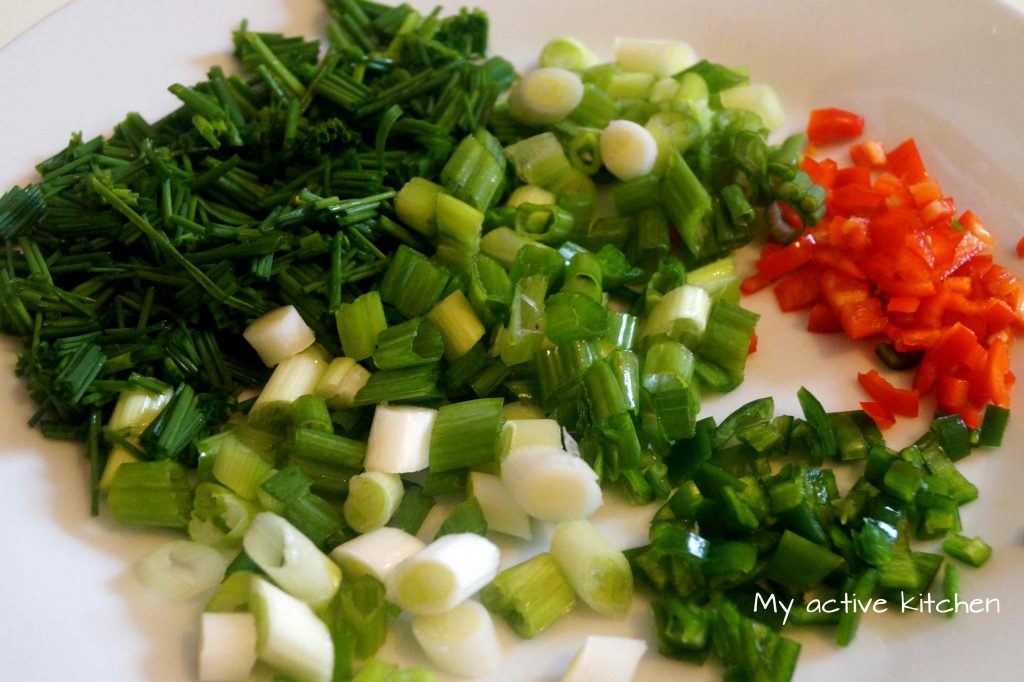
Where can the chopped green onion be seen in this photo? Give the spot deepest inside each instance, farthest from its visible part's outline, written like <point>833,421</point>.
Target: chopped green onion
<point>294,376</point>
<point>151,494</point>
<point>465,434</point>
<point>660,57</point>
<point>361,613</point>
<point>567,53</point>
<point>530,596</point>
<point>502,244</point>
<point>461,641</point>
<point>498,507</point>
<point>605,657</point>
<point>412,283</point>
<point>415,342</point>
<point>550,484</point>
<point>289,636</point>
<point>459,325</point>
<point>373,497</point>
<point>279,334</point>
<point>341,382</point>
<point>628,150</point>
<point>181,569</point>
<point>219,517</point>
<point>465,517</point>
<point>359,323</point>
<point>545,96</point>
<point>325,448</point>
<point>413,510</point>
<point>292,560</point>
<point>444,574</point>
<point>539,160</point>
<point>240,467</point>
<point>227,646</point>
<point>310,412</point>
<point>416,205</point>
<point>758,98</point>
<point>597,572</point>
<point>399,440</point>
<point>396,385</point>
<point>687,204</point>
<point>681,314</point>
<point>376,553</point>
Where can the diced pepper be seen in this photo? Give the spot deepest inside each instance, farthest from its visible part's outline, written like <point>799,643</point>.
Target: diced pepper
<point>833,125</point>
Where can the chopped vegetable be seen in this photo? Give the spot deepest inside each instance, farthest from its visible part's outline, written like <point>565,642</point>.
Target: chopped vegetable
<point>289,636</point>
<point>376,553</point>
<point>892,259</point>
<point>181,569</point>
<point>443,574</point>
<point>550,484</point>
<point>461,641</point>
<point>227,646</point>
<point>279,334</point>
<point>605,659</point>
<point>597,572</point>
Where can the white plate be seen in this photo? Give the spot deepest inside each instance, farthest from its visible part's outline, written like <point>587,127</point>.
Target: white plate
<point>947,73</point>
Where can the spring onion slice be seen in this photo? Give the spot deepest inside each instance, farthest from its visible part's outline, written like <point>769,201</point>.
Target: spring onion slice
<point>567,53</point>
<point>341,382</point>
<point>628,150</point>
<point>758,98</point>
<point>660,57</point>
<point>227,646</point>
<point>416,205</point>
<point>550,484</point>
<point>295,376</point>
<point>376,553</point>
<point>292,560</point>
<point>443,574</point>
<point>461,641</point>
<point>545,95</point>
<point>151,494</point>
<point>181,569</point>
<point>502,244</point>
<point>459,325</point>
<point>498,506</point>
<point>519,432</point>
<point>359,323</point>
<point>219,517</point>
<point>289,636</point>
<point>279,334</point>
<point>465,434</point>
<point>530,596</point>
<point>599,574</point>
<point>399,440</point>
<point>373,496</point>
<point>606,659</point>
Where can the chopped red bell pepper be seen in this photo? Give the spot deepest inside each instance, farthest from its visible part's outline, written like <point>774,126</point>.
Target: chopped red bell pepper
<point>833,125</point>
<point>891,258</point>
<point>900,401</point>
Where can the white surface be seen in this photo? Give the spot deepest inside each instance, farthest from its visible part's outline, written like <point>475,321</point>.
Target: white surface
<point>17,16</point>
<point>948,73</point>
